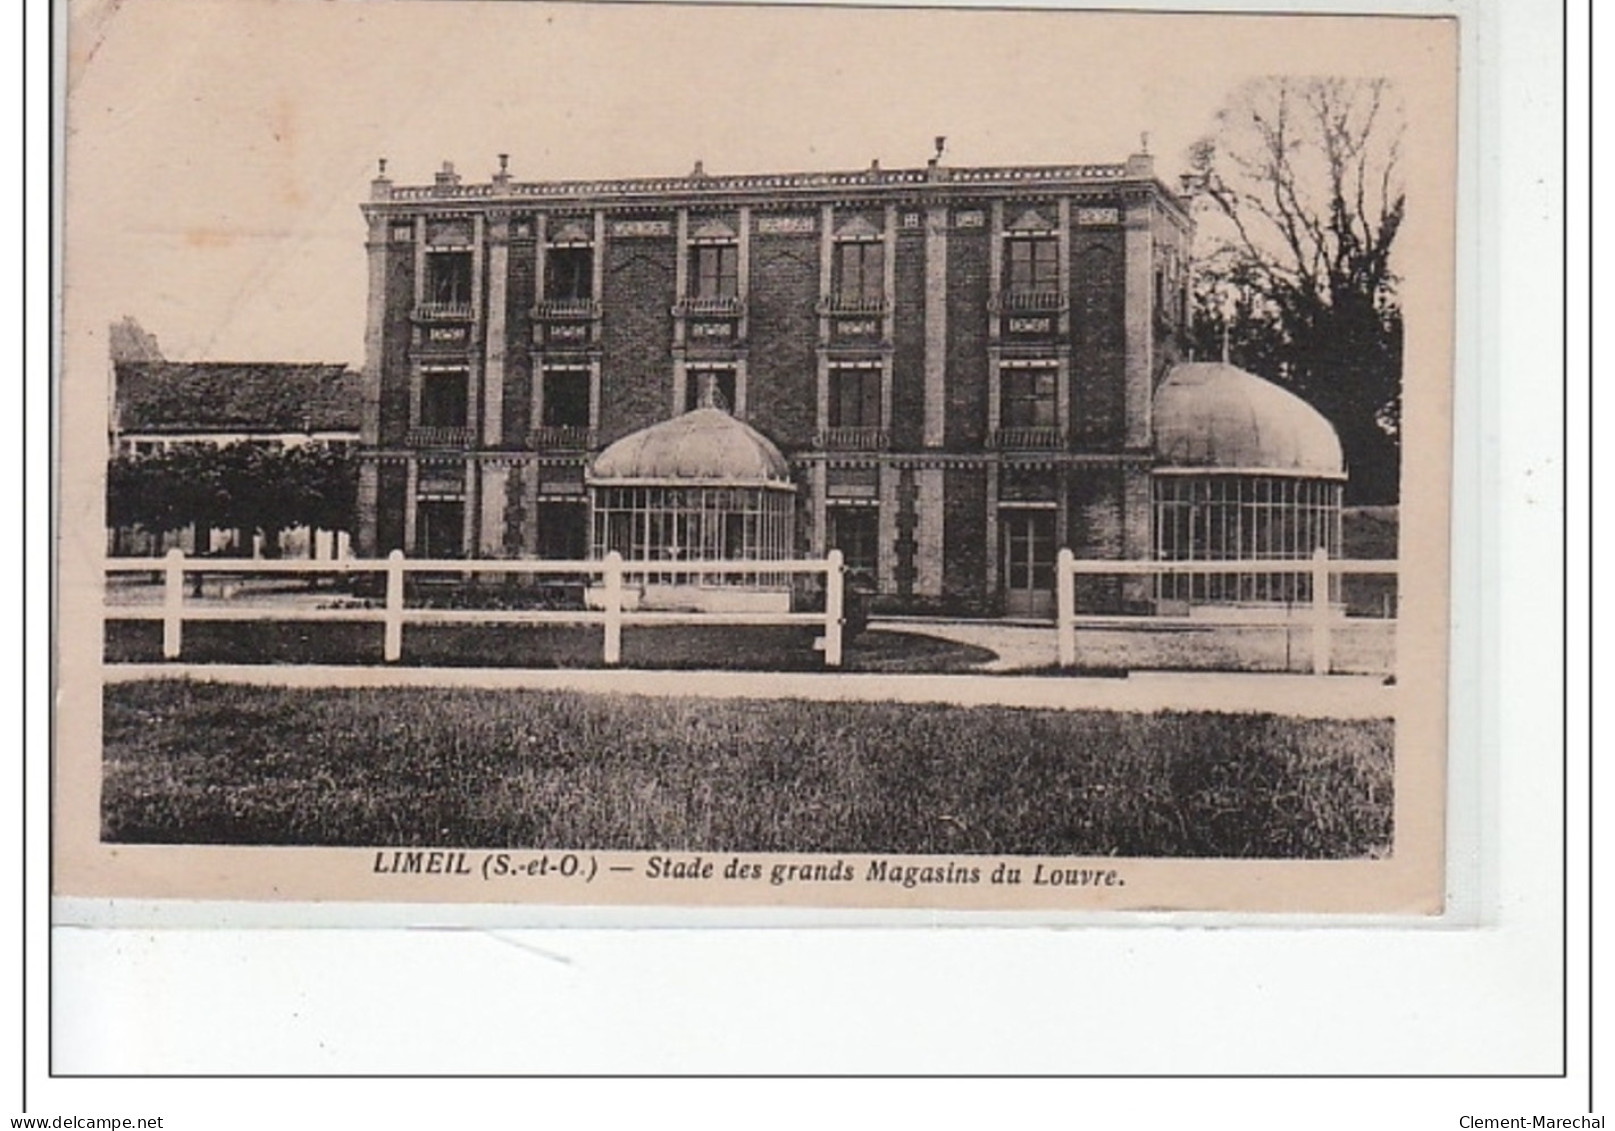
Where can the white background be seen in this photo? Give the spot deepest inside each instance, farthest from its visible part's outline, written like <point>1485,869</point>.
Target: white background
<point>1465,998</point>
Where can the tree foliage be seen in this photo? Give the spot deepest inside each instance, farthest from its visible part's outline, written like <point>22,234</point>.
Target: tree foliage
<point>1301,198</point>
<point>242,486</point>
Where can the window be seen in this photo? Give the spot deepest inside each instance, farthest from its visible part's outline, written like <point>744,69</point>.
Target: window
<point>855,531</point>
<point>1225,517</point>
<point>569,273</point>
<point>854,397</point>
<point>860,272</point>
<point>448,278</point>
<point>566,398</point>
<point>439,528</point>
<point>445,400</point>
<point>720,381</point>
<point>1027,397</point>
<point>1033,265</point>
<point>716,268</point>
<point>563,531</point>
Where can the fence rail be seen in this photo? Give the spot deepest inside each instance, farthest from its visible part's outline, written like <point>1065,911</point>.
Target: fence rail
<point>613,610</point>
<point>1319,614</point>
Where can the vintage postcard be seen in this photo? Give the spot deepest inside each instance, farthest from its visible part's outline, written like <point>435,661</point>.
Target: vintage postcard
<point>674,456</point>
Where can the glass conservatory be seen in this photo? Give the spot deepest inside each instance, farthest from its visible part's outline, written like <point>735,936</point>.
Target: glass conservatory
<point>700,487</point>
<point>1245,471</point>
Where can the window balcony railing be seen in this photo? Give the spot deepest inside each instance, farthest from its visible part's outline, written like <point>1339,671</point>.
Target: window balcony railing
<point>1043,436</point>
<point>857,438</point>
<point>1028,301</point>
<point>563,437</point>
<point>443,311</point>
<point>850,304</point>
<point>729,306</point>
<point>440,436</point>
<point>566,308</point>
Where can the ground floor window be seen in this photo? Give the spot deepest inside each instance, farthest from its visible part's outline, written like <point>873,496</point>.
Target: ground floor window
<point>563,531</point>
<point>855,531</point>
<point>1243,517</point>
<point>439,528</point>
<point>1026,541</point>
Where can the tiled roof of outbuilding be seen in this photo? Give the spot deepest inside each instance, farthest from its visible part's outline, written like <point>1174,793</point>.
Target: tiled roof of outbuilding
<point>216,396</point>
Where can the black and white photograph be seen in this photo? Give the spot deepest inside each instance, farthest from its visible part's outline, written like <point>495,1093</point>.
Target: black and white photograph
<point>592,454</point>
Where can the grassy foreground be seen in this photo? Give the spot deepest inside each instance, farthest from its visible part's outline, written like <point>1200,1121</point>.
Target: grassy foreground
<point>220,764</point>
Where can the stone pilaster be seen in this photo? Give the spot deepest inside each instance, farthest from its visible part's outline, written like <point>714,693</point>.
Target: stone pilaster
<point>928,532</point>
<point>936,326</point>
<point>493,367</point>
<point>491,527</point>
<point>1138,323</point>
<point>887,528</point>
<point>375,331</point>
<point>369,500</point>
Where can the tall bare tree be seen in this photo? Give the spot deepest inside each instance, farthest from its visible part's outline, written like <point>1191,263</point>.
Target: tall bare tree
<point>1300,198</point>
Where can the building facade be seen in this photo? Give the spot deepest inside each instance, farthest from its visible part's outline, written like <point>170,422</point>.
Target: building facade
<point>959,364</point>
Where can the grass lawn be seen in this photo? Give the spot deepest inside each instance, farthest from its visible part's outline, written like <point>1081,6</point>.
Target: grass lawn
<point>192,762</point>
<point>728,647</point>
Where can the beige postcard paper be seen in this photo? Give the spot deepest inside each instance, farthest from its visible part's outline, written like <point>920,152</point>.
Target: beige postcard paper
<point>735,457</point>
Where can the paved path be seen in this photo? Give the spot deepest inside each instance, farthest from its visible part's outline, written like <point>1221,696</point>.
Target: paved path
<point>1019,646</point>
<point>1343,697</point>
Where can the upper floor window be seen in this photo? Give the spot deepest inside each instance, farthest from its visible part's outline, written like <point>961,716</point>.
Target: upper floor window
<point>1028,397</point>
<point>718,383</point>
<point>855,397</point>
<point>569,273</point>
<point>716,269</point>
<point>1032,264</point>
<point>448,277</point>
<point>445,399</point>
<point>566,398</point>
<point>861,271</point>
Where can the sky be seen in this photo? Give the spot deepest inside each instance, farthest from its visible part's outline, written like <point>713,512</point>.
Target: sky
<point>216,151</point>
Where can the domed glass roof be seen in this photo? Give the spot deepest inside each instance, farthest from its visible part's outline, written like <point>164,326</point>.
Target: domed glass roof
<point>704,446</point>
<point>1221,418</point>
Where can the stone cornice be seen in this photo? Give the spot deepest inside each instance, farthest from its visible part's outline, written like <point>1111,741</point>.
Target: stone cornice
<point>916,187</point>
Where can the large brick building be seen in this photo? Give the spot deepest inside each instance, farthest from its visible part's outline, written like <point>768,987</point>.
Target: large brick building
<point>958,364</point>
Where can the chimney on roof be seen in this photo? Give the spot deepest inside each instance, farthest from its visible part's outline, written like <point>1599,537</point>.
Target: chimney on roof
<point>381,186</point>
<point>699,171</point>
<point>446,177</point>
<point>1142,163</point>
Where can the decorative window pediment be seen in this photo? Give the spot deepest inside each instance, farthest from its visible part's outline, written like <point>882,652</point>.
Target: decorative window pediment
<point>857,228</point>
<point>713,231</point>
<point>570,232</point>
<point>1031,221</point>
<point>449,233</point>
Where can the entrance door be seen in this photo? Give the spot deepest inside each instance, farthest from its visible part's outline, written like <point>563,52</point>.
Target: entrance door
<point>1027,538</point>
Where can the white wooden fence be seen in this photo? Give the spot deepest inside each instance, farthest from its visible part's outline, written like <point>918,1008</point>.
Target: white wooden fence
<point>394,613</point>
<point>1319,613</point>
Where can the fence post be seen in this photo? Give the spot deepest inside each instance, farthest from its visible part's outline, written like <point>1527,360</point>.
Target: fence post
<point>393,643</point>
<point>1065,607</point>
<point>1320,611</point>
<point>173,601</point>
<point>834,599</point>
<point>613,602</point>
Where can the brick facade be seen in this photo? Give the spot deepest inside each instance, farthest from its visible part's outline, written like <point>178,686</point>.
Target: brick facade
<point>980,390</point>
